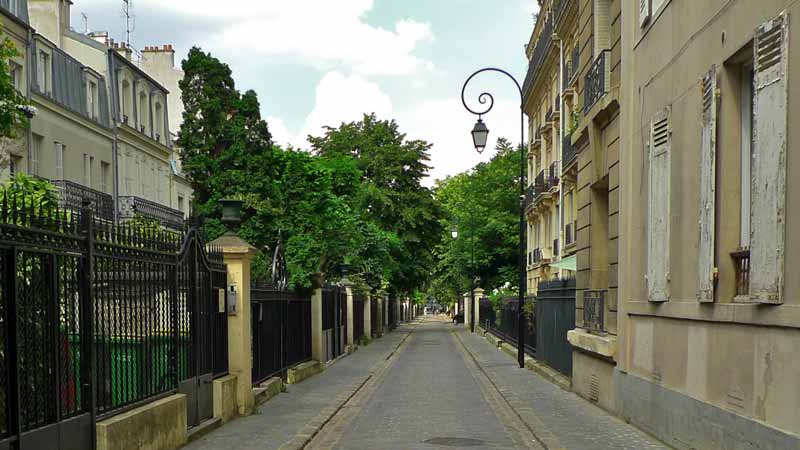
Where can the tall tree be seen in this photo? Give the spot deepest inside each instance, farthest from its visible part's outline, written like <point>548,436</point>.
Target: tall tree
<point>482,205</point>
<point>393,197</point>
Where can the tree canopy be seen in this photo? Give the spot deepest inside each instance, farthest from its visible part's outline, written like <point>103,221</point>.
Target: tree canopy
<point>482,205</point>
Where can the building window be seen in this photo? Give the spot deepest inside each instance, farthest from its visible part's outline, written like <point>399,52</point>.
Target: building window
<point>16,75</point>
<point>36,150</point>
<point>144,108</point>
<point>43,77</point>
<point>92,95</point>
<point>59,149</point>
<point>180,204</point>
<point>88,163</point>
<point>105,176</point>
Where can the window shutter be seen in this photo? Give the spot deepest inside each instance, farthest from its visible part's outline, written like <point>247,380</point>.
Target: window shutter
<point>708,162</point>
<point>768,165</point>
<point>659,209</point>
<point>644,12</point>
<point>59,160</point>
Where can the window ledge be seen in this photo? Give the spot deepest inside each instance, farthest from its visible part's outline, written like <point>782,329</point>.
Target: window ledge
<point>745,313</point>
<point>603,345</point>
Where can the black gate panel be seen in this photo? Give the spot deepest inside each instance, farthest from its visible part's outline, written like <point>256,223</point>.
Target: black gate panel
<point>555,316</point>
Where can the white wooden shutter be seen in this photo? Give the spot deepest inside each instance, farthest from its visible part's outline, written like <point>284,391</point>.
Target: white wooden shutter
<point>644,12</point>
<point>59,160</point>
<point>708,162</point>
<point>768,165</point>
<point>659,208</point>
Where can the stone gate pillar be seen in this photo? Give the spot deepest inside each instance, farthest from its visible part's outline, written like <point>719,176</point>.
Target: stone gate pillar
<point>368,315</point>
<point>467,311</point>
<point>478,297</point>
<point>348,286</point>
<point>317,347</point>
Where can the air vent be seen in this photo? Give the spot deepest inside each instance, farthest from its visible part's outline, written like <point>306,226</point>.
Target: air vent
<point>770,44</point>
<point>594,388</point>
<point>660,133</point>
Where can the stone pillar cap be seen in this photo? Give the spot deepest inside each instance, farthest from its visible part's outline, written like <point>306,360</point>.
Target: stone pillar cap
<point>233,244</point>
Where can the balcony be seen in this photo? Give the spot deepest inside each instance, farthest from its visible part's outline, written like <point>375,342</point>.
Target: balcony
<point>130,207</point>
<point>594,307</point>
<point>537,256</point>
<point>598,81</point>
<point>530,195</point>
<point>540,51</point>
<point>568,153</point>
<point>741,264</point>
<point>560,7</point>
<point>553,175</point>
<point>73,196</point>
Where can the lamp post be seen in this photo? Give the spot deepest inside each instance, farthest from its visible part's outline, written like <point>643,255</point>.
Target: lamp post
<point>480,134</point>
<point>471,273</point>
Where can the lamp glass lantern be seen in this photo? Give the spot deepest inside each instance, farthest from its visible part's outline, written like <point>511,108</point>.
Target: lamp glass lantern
<point>454,233</point>
<point>480,134</point>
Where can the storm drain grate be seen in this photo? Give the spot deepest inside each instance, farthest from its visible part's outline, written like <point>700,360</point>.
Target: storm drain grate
<point>455,442</point>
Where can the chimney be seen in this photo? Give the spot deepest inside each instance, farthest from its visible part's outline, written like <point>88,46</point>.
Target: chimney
<point>161,57</point>
<point>123,50</point>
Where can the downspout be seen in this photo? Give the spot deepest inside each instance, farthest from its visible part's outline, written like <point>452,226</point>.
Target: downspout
<point>114,116</point>
<point>562,116</point>
<point>28,77</point>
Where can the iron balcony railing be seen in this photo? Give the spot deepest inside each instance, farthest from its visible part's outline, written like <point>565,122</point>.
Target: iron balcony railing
<point>552,179</point>
<point>530,195</point>
<point>540,183</point>
<point>73,195</point>
<point>557,105</point>
<point>598,81</point>
<point>540,51</point>
<point>131,206</point>
<point>594,306</point>
<point>568,153</point>
<point>537,255</point>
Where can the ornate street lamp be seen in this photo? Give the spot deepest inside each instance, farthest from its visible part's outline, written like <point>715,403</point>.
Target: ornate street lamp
<point>480,133</point>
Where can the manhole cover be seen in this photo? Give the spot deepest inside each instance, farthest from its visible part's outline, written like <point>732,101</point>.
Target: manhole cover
<point>455,442</point>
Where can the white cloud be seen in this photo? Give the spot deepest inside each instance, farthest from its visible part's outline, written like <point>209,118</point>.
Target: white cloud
<point>446,124</point>
<point>339,98</point>
<point>321,33</point>
<point>280,132</point>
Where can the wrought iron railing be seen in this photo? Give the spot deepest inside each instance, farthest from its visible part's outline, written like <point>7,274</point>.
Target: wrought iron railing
<point>548,117</point>
<point>741,265</point>
<point>597,81</point>
<point>594,304</point>
<point>542,47</point>
<point>540,184</point>
<point>557,105</point>
<point>568,153</point>
<point>537,255</point>
<point>73,195</point>
<point>530,195</point>
<point>131,206</point>
<point>553,178</point>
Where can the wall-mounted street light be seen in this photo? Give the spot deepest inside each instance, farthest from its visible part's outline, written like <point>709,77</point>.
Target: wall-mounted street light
<point>480,134</point>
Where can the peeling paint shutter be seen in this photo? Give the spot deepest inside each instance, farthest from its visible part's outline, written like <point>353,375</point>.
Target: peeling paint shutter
<point>768,165</point>
<point>644,12</point>
<point>708,162</point>
<point>659,209</point>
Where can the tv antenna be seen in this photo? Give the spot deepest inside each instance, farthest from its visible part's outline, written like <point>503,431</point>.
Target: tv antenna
<point>85,23</point>
<point>130,20</point>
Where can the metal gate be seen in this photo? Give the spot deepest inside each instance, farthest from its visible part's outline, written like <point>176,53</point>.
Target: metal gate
<point>44,381</point>
<point>376,319</point>
<point>555,316</point>
<point>201,284</point>
<point>334,321</point>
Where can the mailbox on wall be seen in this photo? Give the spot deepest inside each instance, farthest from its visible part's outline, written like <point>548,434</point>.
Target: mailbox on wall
<point>231,299</point>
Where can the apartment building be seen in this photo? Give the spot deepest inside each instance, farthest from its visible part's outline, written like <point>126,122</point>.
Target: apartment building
<point>708,321</point>
<point>101,129</point>
<point>547,92</point>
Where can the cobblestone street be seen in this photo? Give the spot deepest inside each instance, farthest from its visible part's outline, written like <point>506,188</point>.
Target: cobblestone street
<point>427,385</point>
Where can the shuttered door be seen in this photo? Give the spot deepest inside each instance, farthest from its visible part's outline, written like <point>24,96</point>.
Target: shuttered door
<point>659,209</point>
<point>708,158</point>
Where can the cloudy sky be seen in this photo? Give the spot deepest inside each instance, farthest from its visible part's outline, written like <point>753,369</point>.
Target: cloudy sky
<point>321,62</point>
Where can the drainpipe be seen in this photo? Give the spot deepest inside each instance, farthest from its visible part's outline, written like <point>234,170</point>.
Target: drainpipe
<point>562,116</point>
<point>114,116</point>
<point>28,77</point>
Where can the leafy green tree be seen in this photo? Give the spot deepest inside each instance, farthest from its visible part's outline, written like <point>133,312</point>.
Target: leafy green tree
<point>482,205</point>
<point>393,197</point>
<point>14,107</point>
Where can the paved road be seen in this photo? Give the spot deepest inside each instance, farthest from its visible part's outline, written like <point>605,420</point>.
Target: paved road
<point>427,385</point>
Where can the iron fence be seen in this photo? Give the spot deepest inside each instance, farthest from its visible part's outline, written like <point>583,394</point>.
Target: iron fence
<point>741,264</point>
<point>73,196</point>
<point>334,320</point>
<point>502,321</point>
<point>98,318</point>
<point>281,330</point>
<point>567,150</point>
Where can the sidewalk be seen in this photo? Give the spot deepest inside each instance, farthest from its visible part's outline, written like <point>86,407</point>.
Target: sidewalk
<point>306,405</point>
<point>560,419</point>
